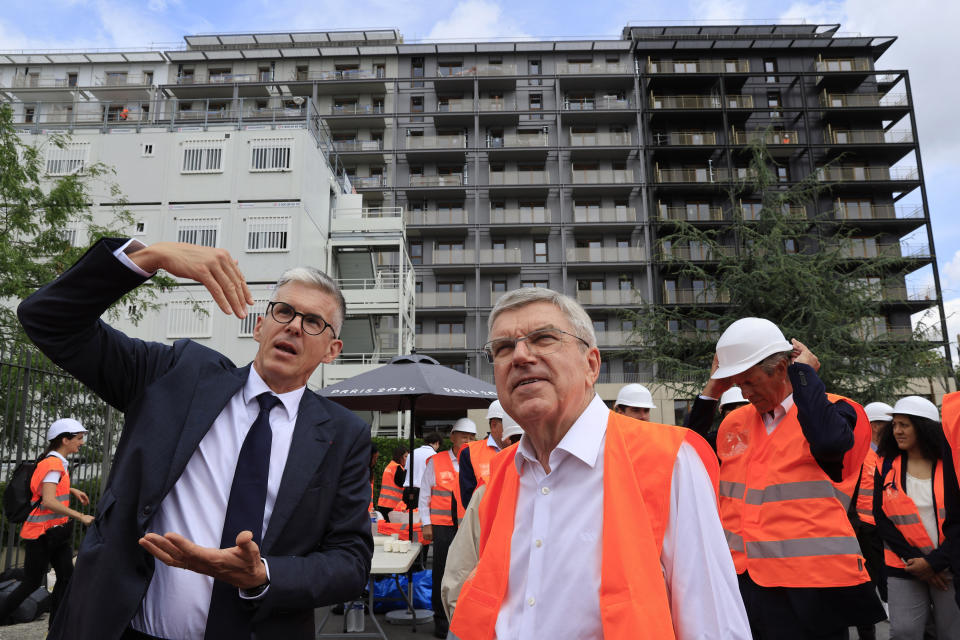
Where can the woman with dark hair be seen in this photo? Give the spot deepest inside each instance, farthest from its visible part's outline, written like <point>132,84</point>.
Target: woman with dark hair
<point>48,530</point>
<point>909,510</point>
<point>394,475</point>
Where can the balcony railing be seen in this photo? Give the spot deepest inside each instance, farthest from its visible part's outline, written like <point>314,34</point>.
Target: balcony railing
<point>866,174</point>
<point>845,100</point>
<point>513,140</point>
<point>355,109</point>
<point>358,145</point>
<point>443,217</point>
<point>859,249</point>
<point>368,182</point>
<point>457,256</point>
<point>701,175</point>
<point>613,297</point>
<point>454,105</point>
<point>513,178</point>
<point>442,299</point>
<point>606,254</point>
<point>868,136</point>
<point>604,214</point>
<point>497,104</point>
<point>340,74</point>
<point>693,213</point>
<point>843,64</point>
<point>701,253</point>
<point>698,66</point>
<point>124,80</point>
<point>877,212</point>
<point>428,341</point>
<point>499,256</point>
<point>436,142</point>
<point>600,176</point>
<point>791,211</point>
<point>519,216</point>
<point>685,102</point>
<point>573,68</point>
<point>613,338</point>
<point>695,296</point>
<point>695,138</point>
<point>596,104</point>
<point>382,280</point>
<point>451,180</point>
<point>477,70</point>
<point>601,139</point>
<point>767,137</point>
<point>39,82</point>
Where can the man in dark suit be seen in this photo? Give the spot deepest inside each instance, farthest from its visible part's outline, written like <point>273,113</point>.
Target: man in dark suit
<point>205,445</point>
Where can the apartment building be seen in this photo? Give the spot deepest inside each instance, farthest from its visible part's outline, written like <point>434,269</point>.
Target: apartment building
<point>555,163</point>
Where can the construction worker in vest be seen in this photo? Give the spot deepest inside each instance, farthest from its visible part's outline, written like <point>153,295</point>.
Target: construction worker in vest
<point>789,463</point>
<point>951,486</point>
<point>634,401</point>
<point>48,531</point>
<point>394,474</point>
<point>441,509</point>
<point>909,510</point>
<point>476,456</point>
<point>595,525</point>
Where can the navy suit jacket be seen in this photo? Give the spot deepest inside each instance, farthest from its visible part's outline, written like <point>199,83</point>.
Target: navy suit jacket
<point>318,543</point>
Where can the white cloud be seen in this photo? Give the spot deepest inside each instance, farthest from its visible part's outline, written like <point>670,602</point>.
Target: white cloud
<point>823,12</point>
<point>716,11</point>
<point>475,20</point>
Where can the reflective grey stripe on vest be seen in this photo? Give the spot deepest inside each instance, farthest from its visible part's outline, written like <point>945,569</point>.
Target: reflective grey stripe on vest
<point>910,518</point>
<point>734,541</point>
<point>803,490</point>
<point>448,513</point>
<point>732,489</point>
<point>45,518</point>
<point>443,493</point>
<point>804,547</point>
<point>394,490</point>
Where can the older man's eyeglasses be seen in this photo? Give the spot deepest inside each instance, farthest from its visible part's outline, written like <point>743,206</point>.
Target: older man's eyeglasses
<point>311,322</point>
<point>539,343</point>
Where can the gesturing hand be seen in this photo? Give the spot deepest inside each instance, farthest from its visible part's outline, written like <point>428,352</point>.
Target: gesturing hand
<point>240,565</point>
<point>80,495</point>
<point>803,355</point>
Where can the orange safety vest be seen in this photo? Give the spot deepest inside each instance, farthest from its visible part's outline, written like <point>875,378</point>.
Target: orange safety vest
<point>903,513</point>
<point>402,529</point>
<point>42,519</point>
<point>785,520</point>
<point>390,494</point>
<point>951,425</point>
<point>638,460</point>
<point>865,492</point>
<point>481,454</point>
<point>446,487</point>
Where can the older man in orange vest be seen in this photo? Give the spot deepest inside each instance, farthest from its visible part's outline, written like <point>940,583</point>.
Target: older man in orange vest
<point>789,464</point>
<point>594,524</point>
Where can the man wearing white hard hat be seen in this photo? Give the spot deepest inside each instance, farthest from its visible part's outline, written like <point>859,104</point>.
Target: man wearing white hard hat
<point>789,464</point>
<point>476,456</point>
<point>634,401</point>
<point>441,509</point>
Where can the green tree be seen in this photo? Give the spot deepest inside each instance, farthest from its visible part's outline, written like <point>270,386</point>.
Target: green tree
<point>798,271</point>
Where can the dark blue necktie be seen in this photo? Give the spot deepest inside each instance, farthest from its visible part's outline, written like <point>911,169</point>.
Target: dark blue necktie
<point>228,618</point>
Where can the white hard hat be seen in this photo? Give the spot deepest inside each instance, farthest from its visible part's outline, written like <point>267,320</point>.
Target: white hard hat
<point>64,425</point>
<point>635,395</point>
<point>745,343</point>
<point>917,406</point>
<point>465,425</point>
<point>879,412</point>
<point>495,410</point>
<point>508,421</point>
<point>512,430</point>
<point>733,395</point>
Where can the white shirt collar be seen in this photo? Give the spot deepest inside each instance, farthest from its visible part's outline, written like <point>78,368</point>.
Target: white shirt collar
<point>492,443</point>
<point>255,386</point>
<point>583,440</point>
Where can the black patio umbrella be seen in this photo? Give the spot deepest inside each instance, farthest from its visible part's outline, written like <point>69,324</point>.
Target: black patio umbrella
<point>412,383</point>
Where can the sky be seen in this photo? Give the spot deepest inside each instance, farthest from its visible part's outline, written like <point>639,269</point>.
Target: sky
<point>925,30</point>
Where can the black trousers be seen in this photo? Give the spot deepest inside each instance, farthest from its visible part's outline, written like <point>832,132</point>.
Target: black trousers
<point>442,537</point>
<point>51,549</point>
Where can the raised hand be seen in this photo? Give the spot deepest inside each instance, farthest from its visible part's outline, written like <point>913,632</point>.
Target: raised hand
<point>240,565</point>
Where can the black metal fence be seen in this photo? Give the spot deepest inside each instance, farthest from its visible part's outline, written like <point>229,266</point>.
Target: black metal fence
<point>34,393</point>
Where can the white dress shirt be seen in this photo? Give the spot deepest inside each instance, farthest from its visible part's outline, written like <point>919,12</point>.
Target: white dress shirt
<point>556,548</point>
<point>426,487</point>
<point>492,443</point>
<point>420,456</point>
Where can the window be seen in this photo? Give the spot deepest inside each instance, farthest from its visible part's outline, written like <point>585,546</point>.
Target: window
<point>450,327</point>
<point>861,248</point>
<point>783,173</point>
<point>533,69</point>
<point>770,66</point>
<point>71,79</point>
<point>450,287</point>
<point>271,154</point>
<point>773,100</point>
<point>258,310</point>
<point>380,70</point>
<point>147,78</point>
<point>139,228</point>
<point>116,78</point>
<point>669,292</point>
<point>498,244</point>
<point>416,71</point>
<point>416,252</point>
<point>202,231</point>
<point>302,73</point>
<point>264,73</point>
<point>536,101</point>
<point>447,68</point>
<point>533,212</point>
<point>68,159</point>
<point>268,233</point>
<point>790,245</point>
<point>189,319</point>
<point>540,251</point>
<point>698,211</point>
<point>146,150</point>
<point>625,282</point>
<point>539,284</point>
<point>416,106</point>
<point>498,286</point>
<point>71,234</point>
<point>202,156</point>
<point>855,209</point>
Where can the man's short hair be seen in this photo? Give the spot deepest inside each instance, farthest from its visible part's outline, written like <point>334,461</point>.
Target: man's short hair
<point>769,364</point>
<point>313,277</point>
<point>433,437</point>
<point>574,313</point>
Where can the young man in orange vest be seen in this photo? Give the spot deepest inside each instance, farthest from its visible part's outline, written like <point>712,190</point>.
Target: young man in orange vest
<point>595,524</point>
<point>789,463</point>
<point>476,457</point>
<point>441,509</point>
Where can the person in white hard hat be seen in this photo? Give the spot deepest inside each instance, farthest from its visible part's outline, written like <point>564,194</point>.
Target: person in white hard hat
<point>635,401</point>
<point>47,532</point>
<point>441,509</point>
<point>476,456</point>
<point>908,505</point>
<point>789,464</point>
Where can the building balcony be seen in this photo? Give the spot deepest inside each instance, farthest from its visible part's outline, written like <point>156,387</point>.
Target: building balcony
<point>367,220</point>
<point>515,178</point>
<point>699,253</point>
<point>695,296</point>
<point>368,182</point>
<point>613,338</point>
<point>849,100</point>
<point>596,104</point>
<point>856,248</point>
<point>877,212</point>
<point>587,68</point>
<point>588,215</point>
<point>451,180</point>
<point>843,64</point>
<point>691,138</point>
<point>702,175</point>
<point>790,211</point>
<point>436,142</point>
<point>432,341</point>
<point>866,174</point>
<point>685,102</point>
<point>691,213</point>
<point>36,81</point>
<point>499,256</point>
<point>497,104</point>
<point>124,80</point>
<point>600,176</point>
<point>439,217</point>
<point>607,297</point>
<point>867,136</point>
<point>477,70</point>
<point>766,137</point>
<point>353,108</point>
<point>438,299</point>
<point>454,105</point>
<point>358,145</point>
<point>515,141</point>
<point>601,139</point>
<point>458,256</point>
<point>519,216</point>
<point>698,66</point>
<point>606,254</point>
<point>338,74</point>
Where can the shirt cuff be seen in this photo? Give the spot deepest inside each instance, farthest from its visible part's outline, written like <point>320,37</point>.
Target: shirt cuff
<point>703,397</point>
<point>245,593</point>
<point>131,246</point>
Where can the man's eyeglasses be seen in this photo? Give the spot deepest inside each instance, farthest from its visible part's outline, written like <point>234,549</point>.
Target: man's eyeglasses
<point>540,343</point>
<point>311,322</point>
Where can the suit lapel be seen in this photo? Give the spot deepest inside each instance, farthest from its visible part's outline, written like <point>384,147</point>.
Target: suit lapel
<point>214,389</point>
<point>312,437</point>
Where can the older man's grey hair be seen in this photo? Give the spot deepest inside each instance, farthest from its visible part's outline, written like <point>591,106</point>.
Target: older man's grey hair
<point>574,313</point>
<point>313,277</point>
